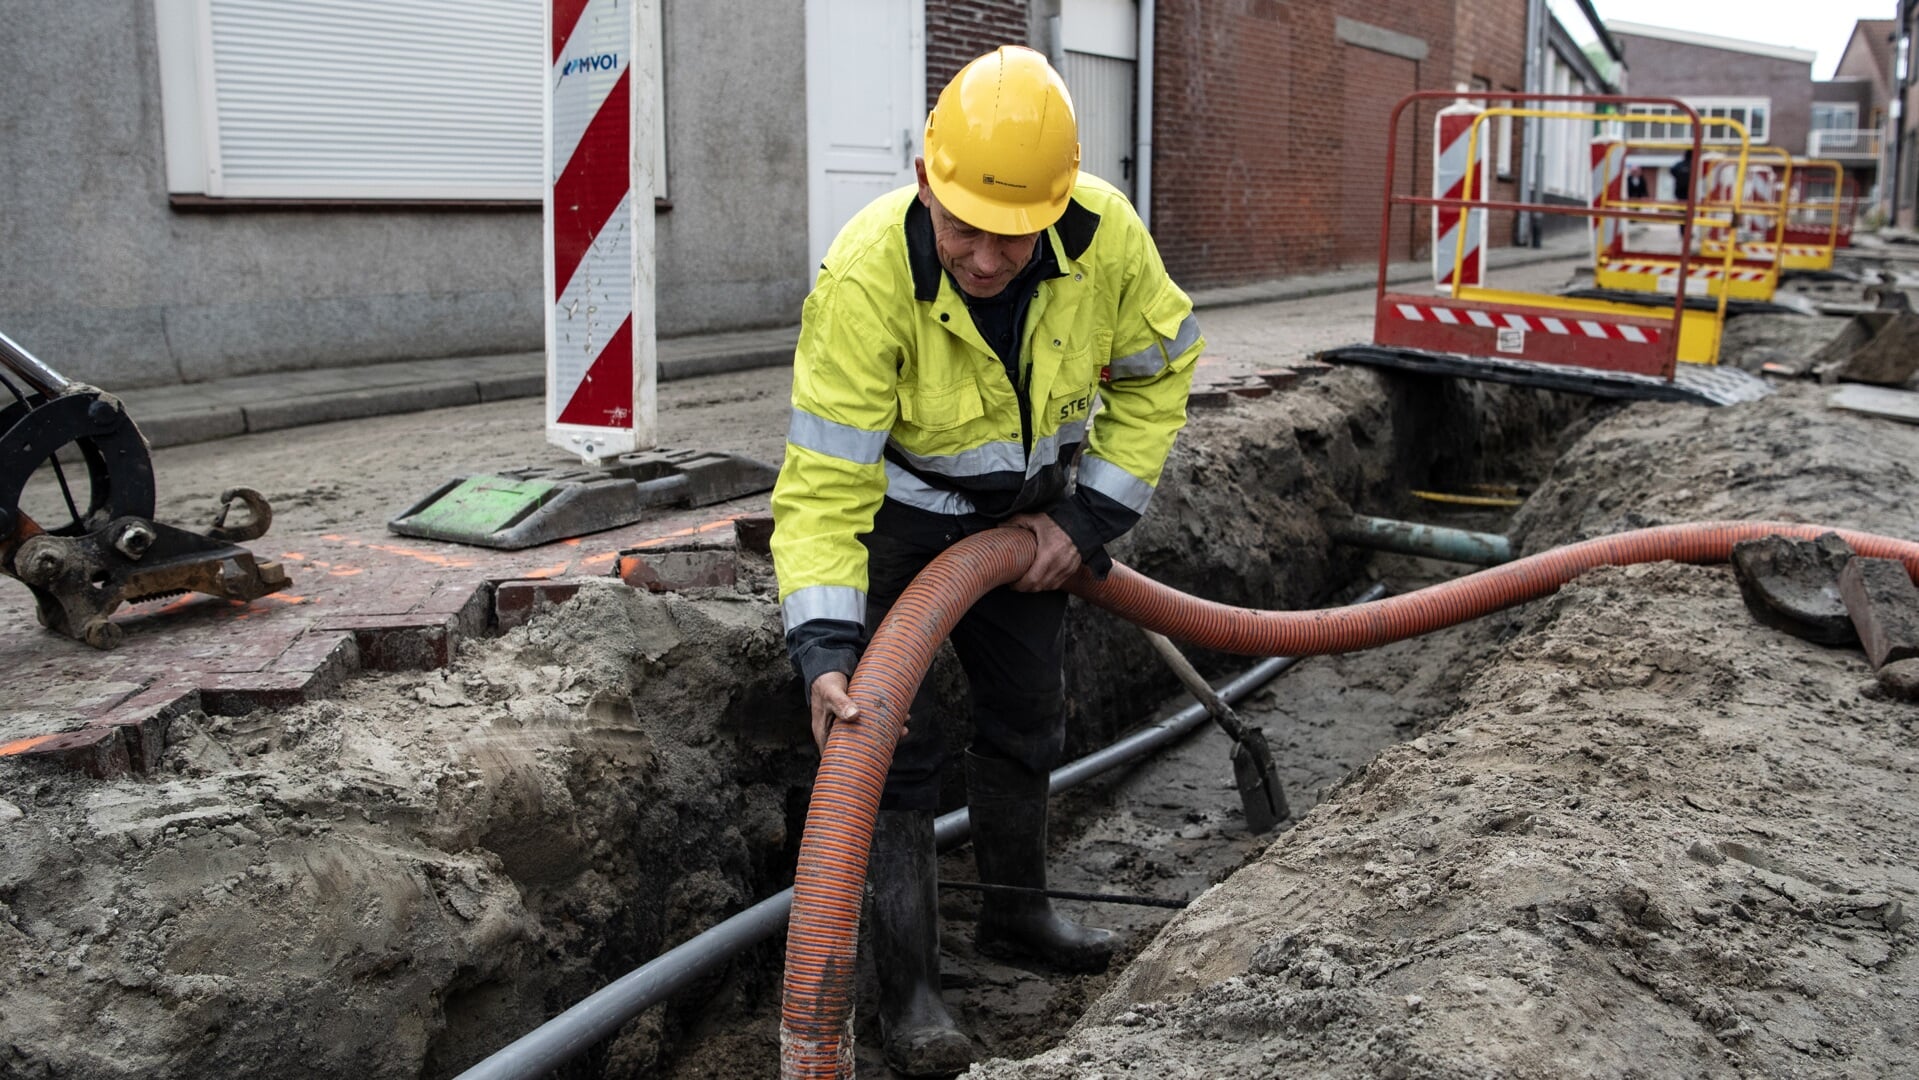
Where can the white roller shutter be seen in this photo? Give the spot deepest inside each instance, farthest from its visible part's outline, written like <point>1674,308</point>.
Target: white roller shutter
<point>355,99</point>
<point>1099,40</point>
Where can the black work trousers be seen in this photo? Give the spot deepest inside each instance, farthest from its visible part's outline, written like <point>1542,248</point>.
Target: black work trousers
<point>1010,645</point>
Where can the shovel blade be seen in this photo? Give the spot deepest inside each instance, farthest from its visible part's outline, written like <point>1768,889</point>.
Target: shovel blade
<point>1257,778</point>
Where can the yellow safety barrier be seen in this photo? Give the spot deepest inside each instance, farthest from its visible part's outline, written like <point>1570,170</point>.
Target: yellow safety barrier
<point>1699,331</point>
<point>1733,270</point>
<point>1813,226</point>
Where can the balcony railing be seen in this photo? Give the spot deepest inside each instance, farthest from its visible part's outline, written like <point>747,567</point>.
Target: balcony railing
<point>1844,144</point>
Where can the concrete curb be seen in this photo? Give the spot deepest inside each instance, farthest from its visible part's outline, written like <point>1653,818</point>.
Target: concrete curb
<point>358,404</point>
<point>221,421</point>
<point>193,426</point>
<point>1305,288</point>
<point>672,369</point>
<point>684,358</point>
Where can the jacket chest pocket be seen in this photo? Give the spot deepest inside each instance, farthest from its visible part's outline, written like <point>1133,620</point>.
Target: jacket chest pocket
<point>1070,399</point>
<point>1070,405</point>
<point>940,408</point>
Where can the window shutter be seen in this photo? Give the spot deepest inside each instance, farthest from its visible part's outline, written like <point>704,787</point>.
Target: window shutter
<point>361,99</point>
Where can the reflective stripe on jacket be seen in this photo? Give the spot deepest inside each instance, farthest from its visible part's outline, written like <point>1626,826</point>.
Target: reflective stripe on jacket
<point>896,395</point>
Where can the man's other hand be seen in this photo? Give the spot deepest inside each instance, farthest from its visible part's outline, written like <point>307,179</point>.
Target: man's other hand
<point>830,702</point>
<point>1056,559</point>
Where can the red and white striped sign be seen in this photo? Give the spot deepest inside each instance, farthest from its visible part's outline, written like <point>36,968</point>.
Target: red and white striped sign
<point>1608,161</point>
<point>1514,320</point>
<point>600,95</point>
<point>1762,189</point>
<point>1720,180</point>
<point>1759,188</point>
<point>1454,129</point>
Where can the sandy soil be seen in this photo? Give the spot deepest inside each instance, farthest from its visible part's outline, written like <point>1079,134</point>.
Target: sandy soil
<point>1168,827</point>
<point>1654,839</point>
<point>1624,829</point>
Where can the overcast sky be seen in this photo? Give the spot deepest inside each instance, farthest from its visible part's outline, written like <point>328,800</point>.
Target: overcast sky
<point>1820,25</point>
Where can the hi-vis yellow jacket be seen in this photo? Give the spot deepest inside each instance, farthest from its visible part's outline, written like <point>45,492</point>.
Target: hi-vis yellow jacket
<point>896,395</point>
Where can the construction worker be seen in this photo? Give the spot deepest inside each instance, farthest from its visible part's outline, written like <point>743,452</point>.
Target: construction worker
<point>966,339</point>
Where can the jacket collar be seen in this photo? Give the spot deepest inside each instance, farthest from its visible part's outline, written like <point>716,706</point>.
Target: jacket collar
<point>1071,236</point>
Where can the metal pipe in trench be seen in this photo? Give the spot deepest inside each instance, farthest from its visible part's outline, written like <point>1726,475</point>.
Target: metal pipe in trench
<point>1424,541</point>
<point>602,1013</point>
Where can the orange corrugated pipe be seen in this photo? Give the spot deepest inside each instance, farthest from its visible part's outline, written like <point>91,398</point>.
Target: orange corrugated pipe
<point>816,1030</point>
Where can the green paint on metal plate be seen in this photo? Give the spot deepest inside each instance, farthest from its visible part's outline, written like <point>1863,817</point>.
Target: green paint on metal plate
<point>483,505</point>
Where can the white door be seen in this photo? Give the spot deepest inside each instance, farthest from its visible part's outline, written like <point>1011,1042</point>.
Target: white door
<point>1099,43</point>
<point>865,107</point>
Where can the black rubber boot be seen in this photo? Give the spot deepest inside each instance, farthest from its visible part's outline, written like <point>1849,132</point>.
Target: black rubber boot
<point>1008,805</point>
<point>920,1036</point>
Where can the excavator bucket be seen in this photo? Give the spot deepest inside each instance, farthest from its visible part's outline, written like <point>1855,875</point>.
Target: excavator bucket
<point>112,552</point>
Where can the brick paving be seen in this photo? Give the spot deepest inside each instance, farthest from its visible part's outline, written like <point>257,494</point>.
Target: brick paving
<point>359,602</point>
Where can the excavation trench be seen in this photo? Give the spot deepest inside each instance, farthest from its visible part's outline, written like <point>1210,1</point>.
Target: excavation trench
<point>404,877</point>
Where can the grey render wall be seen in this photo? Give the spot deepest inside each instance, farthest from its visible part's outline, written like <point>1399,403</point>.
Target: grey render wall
<point>1661,67</point>
<point>103,279</point>
<point>732,251</point>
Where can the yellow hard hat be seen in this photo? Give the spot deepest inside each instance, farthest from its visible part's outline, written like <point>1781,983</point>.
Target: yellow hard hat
<point>1002,147</point>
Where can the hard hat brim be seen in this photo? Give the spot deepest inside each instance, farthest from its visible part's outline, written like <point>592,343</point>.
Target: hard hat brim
<point>1003,218</point>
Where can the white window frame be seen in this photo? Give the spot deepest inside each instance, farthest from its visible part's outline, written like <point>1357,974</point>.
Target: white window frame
<point>190,117</point>
<point>1845,115</point>
<point>1741,109</point>
<point>1560,139</point>
<point>1680,130</point>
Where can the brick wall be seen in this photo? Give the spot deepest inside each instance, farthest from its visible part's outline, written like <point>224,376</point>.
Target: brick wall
<point>1869,55</point>
<point>1854,92</point>
<point>1489,51</point>
<point>1678,69</point>
<point>959,30</point>
<point>1270,131</point>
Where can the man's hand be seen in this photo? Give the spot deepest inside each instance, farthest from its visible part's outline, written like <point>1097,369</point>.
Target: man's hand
<point>830,702</point>
<point>1055,561</point>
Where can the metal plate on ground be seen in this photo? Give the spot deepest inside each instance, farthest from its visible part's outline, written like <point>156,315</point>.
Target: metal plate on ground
<point>1820,275</point>
<point>1697,384</point>
<point>1901,405</point>
<point>1781,304</point>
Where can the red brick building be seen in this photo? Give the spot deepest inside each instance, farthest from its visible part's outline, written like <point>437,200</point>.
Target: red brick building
<point>1270,118</point>
<point>959,30</point>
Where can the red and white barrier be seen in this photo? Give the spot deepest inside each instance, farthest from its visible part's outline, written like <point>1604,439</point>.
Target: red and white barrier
<point>1453,129</point>
<point>600,106</point>
<point>1763,249</point>
<point>1490,329</point>
<point>1538,324</point>
<point>1701,272</point>
<point>1720,180</point>
<point>1762,189</point>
